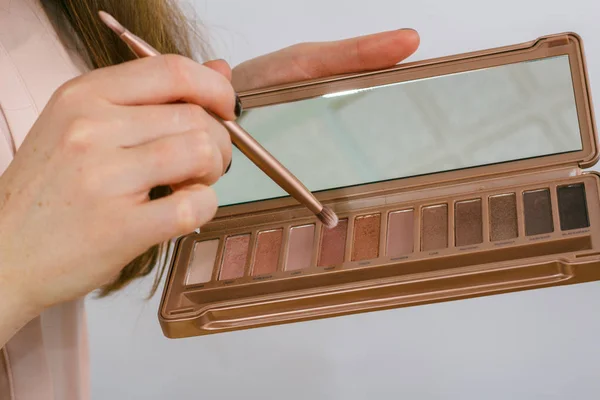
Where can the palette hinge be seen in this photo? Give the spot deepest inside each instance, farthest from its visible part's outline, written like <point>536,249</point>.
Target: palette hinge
<point>559,41</point>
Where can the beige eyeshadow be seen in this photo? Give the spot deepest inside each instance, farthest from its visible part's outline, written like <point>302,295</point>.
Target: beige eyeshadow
<point>434,228</point>
<point>234,257</point>
<point>300,248</point>
<point>333,245</point>
<point>268,250</point>
<point>365,242</point>
<point>400,236</point>
<point>503,217</point>
<point>468,222</point>
<point>203,262</point>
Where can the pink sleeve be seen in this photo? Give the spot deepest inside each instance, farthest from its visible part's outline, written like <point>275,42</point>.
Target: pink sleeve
<point>7,144</point>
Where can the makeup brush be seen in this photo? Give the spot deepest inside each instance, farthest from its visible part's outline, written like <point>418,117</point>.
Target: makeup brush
<point>240,138</point>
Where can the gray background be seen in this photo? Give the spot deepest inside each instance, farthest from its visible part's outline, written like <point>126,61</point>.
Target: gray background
<point>529,345</point>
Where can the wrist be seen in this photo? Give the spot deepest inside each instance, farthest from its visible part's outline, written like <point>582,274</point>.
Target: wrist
<point>15,308</point>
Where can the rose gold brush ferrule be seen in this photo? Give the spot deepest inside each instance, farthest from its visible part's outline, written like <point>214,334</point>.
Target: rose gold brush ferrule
<point>240,138</point>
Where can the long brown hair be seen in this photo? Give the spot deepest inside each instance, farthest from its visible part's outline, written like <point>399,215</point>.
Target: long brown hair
<point>162,24</point>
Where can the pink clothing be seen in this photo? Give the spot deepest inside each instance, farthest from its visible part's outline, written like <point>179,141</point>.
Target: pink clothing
<point>48,358</point>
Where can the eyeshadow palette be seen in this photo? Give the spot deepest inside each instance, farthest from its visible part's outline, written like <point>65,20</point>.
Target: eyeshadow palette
<point>503,205</point>
<point>403,232</point>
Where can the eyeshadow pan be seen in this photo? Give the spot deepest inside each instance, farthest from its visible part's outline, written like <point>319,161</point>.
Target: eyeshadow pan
<point>365,243</point>
<point>400,236</point>
<point>572,207</point>
<point>538,212</point>
<point>268,250</point>
<point>300,249</point>
<point>333,245</point>
<point>235,256</point>
<point>203,262</point>
<point>434,232</point>
<point>503,217</point>
<point>468,222</point>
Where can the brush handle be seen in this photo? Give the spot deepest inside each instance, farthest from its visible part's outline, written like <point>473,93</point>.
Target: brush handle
<point>270,166</point>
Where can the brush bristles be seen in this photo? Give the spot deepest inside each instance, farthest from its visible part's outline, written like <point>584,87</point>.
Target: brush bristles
<point>328,218</point>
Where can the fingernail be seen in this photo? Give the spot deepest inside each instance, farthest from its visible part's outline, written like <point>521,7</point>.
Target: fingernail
<point>238,106</point>
<point>228,167</point>
<point>409,30</point>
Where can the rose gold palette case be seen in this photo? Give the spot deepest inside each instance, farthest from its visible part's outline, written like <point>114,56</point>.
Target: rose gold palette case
<point>507,219</point>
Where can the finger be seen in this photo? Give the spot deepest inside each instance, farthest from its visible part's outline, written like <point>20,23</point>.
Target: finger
<point>317,60</point>
<point>221,66</point>
<point>144,124</point>
<point>168,161</point>
<point>163,79</point>
<point>175,215</point>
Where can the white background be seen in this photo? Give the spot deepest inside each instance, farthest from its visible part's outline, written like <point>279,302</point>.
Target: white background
<point>529,345</point>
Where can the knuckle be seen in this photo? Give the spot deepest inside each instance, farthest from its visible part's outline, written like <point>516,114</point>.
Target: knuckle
<point>77,138</point>
<point>69,92</point>
<point>203,152</point>
<point>179,69</point>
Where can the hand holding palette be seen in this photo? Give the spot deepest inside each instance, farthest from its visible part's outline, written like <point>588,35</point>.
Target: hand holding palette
<point>453,178</point>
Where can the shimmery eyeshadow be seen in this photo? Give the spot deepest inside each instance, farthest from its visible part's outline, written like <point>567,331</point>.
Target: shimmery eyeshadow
<point>503,217</point>
<point>572,207</point>
<point>434,232</point>
<point>365,243</point>
<point>268,250</point>
<point>468,222</point>
<point>300,248</point>
<point>538,212</point>
<point>400,236</point>
<point>333,245</point>
<point>235,256</point>
<point>203,262</point>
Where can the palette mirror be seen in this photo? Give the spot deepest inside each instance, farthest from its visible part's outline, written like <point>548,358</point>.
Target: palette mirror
<point>450,122</point>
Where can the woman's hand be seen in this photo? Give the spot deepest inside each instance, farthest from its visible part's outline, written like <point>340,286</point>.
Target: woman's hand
<point>317,60</point>
<point>74,205</point>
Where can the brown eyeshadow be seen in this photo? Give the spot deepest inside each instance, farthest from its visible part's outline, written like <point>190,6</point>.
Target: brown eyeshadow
<point>538,212</point>
<point>434,229</point>
<point>572,207</point>
<point>365,242</point>
<point>468,222</point>
<point>234,257</point>
<point>203,262</point>
<point>268,250</point>
<point>503,217</point>
<point>300,248</point>
<point>400,236</point>
<point>333,245</point>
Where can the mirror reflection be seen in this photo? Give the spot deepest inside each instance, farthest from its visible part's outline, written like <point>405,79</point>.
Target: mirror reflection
<point>451,122</point>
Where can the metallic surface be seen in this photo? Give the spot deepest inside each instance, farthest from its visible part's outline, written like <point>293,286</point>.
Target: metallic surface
<point>235,257</point>
<point>365,243</point>
<point>503,217</point>
<point>468,220</point>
